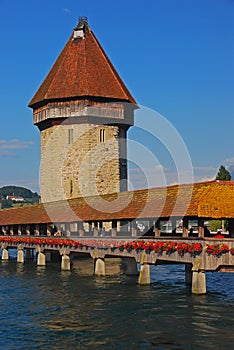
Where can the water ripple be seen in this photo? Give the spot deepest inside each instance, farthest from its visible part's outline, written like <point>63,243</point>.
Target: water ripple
<point>49,309</point>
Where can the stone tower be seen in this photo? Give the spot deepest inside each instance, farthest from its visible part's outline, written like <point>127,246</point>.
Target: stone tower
<point>83,111</point>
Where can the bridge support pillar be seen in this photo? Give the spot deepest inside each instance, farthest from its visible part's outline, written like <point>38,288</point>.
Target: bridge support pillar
<point>131,268</point>
<point>20,255</point>
<point>65,263</point>
<point>199,282</point>
<point>41,259</point>
<point>99,268</point>
<point>144,276</point>
<point>5,254</point>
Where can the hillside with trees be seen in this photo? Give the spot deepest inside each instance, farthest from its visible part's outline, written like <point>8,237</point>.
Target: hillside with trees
<point>28,196</point>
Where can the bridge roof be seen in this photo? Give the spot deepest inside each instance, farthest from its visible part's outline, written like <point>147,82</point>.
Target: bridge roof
<point>214,199</point>
<point>82,70</point>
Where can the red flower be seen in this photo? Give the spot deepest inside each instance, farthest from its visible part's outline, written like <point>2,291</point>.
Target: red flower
<point>217,249</point>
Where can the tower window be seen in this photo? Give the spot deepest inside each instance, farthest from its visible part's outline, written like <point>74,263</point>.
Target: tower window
<point>70,136</point>
<point>71,187</point>
<point>102,135</point>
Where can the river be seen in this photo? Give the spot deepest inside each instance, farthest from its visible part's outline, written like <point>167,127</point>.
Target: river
<point>45,308</point>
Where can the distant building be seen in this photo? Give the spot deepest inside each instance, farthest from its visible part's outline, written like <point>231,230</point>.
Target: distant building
<point>15,198</point>
<point>83,111</point>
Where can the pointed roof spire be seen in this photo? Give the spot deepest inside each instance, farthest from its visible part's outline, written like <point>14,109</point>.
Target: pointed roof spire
<point>82,70</point>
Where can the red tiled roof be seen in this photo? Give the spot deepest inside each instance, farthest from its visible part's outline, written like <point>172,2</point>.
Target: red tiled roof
<point>82,69</point>
<point>213,199</point>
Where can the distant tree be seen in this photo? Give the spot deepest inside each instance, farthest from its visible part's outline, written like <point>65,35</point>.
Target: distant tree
<point>223,174</point>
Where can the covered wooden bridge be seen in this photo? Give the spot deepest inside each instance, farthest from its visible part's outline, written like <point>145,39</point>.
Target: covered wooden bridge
<point>165,211</point>
<point>150,226</point>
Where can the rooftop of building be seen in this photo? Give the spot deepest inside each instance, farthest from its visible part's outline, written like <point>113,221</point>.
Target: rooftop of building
<point>211,199</point>
<point>82,70</point>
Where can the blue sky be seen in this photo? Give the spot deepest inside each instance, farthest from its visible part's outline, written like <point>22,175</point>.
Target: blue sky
<point>175,56</point>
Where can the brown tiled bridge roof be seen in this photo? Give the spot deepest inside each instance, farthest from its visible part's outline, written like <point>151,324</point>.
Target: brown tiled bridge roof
<point>82,70</point>
<point>214,199</point>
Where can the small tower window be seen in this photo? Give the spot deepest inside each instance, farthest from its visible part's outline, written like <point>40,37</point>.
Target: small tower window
<point>71,187</point>
<point>70,136</point>
<point>78,34</point>
<point>102,135</point>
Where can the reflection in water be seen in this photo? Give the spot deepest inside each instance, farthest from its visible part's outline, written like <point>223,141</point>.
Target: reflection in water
<point>85,266</point>
<point>20,268</point>
<point>45,308</point>
<point>40,270</point>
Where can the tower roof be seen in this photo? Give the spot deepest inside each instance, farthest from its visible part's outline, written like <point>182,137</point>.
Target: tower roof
<point>82,70</point>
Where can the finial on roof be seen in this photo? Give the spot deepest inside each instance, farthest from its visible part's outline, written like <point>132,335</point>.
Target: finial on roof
<point>80,28</point>
<point>82,22</point>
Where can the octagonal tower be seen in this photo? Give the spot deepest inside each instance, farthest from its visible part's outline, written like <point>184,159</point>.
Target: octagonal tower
<point>83,111</point>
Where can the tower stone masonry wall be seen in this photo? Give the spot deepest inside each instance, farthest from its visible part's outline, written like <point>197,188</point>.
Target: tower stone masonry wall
<point>84,167</point>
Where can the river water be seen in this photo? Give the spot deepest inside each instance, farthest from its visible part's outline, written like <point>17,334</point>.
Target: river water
<point>45,308</point>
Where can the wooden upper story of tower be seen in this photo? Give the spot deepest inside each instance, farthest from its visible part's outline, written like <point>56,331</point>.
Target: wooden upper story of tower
<point>83,83</point>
